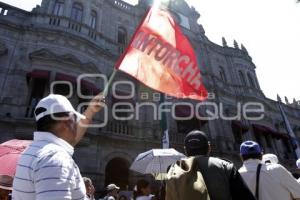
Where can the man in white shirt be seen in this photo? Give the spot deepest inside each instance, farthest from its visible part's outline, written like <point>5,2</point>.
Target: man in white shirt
<point>46,170</point>
<point>275,182</point>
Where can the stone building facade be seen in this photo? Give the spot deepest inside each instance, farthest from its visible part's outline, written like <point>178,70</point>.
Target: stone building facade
<point>62,39</point>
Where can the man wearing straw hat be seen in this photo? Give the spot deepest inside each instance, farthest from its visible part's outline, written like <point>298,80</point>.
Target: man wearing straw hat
<point>5,187</point>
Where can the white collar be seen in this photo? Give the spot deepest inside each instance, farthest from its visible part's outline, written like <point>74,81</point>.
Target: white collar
<point>50,137</point>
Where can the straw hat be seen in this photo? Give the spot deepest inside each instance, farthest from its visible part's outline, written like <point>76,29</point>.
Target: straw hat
<point>6,182</point>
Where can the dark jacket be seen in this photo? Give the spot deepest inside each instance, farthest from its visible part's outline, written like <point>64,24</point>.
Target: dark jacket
<point>223,180</point>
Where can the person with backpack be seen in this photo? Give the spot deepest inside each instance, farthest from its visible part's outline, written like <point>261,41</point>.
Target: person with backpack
<point>266,182</point>
<point>201,177</point>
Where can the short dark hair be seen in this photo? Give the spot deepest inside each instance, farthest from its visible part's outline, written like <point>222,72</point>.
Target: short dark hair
<point>196,143</point>
<point>252,156</point>
<point>142,183</point>
<point>46,123</point>
<point>196,152</point>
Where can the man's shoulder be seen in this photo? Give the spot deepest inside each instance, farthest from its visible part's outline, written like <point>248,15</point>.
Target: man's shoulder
<point>215,164</point>
<point>242,170</point>
<point>222,162</point>
<point>277,169</point>
<point>52,154</point>
<point>274,167</point>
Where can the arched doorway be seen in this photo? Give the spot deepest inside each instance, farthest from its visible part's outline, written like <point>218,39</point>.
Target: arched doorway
<point>117,172</point>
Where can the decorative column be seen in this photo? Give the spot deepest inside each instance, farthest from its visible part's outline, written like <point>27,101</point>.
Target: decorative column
<point>67,8</point>
<point>87,12</point>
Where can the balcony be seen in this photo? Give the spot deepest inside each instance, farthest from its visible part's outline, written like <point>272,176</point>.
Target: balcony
<point>118,128</point>
<point>55,21</point>
<point>74,26</point>
<point>67,25</point>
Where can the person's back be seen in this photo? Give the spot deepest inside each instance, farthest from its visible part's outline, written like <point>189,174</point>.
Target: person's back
<point>221,179</point>
<point>275,182</point>
<point>43,162</point>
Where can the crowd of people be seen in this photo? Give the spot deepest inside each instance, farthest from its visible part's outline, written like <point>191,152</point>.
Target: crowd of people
<point>260,177</point>
<point>47,171</point>
<point>142,191</point>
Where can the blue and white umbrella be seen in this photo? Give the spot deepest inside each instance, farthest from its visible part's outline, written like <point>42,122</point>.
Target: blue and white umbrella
<point>155,161</point>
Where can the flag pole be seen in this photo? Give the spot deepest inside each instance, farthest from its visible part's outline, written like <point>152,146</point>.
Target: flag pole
<point>164,122</point>
<point>289,128</point>
<point>164,125</point>
<point>113,74</point>
<point>107,86</point>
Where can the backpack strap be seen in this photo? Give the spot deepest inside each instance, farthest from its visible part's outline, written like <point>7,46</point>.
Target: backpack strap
<point>257,180</point>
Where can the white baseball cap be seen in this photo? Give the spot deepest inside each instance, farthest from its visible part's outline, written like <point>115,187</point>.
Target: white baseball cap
<point>55,103</point>
<point>111,187</point>
<point>298,163</point>
<point>270,158</point>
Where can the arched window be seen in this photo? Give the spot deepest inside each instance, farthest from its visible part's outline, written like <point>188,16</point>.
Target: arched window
<point>252,84</point>
<point>93,21</point>
<point>257,84</point>
<point>222,74</point>
<point>58,8</point>
<point>122,38</point>
<point>77,12</point>
<point>122,35</point>
<point>242,77</point>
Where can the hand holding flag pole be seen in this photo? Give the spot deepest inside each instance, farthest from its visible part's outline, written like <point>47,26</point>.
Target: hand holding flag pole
<point>110,80</point>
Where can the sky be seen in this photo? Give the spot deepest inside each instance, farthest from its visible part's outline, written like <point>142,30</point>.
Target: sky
<point>269,29</point>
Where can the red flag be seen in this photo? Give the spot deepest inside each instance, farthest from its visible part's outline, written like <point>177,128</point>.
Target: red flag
<point>161,57</point>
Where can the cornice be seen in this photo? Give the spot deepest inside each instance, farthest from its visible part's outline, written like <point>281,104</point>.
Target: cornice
<point>69,59</point>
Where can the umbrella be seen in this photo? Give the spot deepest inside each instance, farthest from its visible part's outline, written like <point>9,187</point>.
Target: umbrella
<point>10,152</point>
<point>155,161</point>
